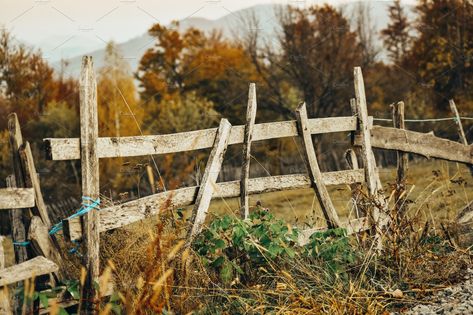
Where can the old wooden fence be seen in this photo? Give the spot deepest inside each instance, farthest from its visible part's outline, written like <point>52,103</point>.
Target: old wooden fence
<point>88,223</point>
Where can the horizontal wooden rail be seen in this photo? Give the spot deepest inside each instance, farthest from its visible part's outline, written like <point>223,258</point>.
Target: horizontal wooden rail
<point>109,147</point>
<point>16,198</point>
<point>426,144</point>
<point>35,267</point>
<point>136,210</point>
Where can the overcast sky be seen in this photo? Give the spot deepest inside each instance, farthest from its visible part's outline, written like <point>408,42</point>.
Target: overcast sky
<point>35,21</point>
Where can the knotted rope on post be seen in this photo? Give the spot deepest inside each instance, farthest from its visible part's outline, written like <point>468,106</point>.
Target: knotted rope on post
<point>88,204</point>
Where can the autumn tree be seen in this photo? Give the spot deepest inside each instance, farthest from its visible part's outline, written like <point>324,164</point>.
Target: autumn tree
<point>318,54</point>
<point>26,80</point>
<point>441,52</point>
<point>119,115</point>
<point>214,68</point>
<point>396,37</point>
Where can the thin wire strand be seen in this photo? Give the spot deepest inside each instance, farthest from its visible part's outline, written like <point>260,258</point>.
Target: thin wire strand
<point>426,119</point>
<point>141,132</point>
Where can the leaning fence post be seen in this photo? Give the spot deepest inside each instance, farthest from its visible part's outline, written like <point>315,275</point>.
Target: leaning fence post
<point>5,302</point>
<point>369,162</point>
<point>248,135</point>
<point>32,180</point>
<point>90,178</point>
<point>314,171</point>
<point>402,161</point>
<point>461,132</point>
<point>208,183</point>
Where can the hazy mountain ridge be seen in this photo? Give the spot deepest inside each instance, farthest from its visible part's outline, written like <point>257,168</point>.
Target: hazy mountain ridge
<point>229,25</point>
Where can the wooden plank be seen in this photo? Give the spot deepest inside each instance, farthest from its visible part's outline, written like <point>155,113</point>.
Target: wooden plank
<point>461,132</point>
<point>42,243</point>
<point>315,174</point>
<point>458,123</point>
<point>369,162</point>
<point>108,147</point>
<point>90,177</point>
<point>425,144</point>
<point>245,169</point>
<point>16,198</point>
<point>146,207</point>
<point>5,302</point>
<point>29,269</point>
<point>352,227</point>
<point>402,162</point>
<point>209,180</point>
<point>18,227</point>
<point>32,180</point>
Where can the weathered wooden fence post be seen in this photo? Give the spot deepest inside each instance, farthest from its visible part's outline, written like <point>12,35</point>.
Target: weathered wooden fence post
<point>5,304</point>
<point>326,204</point>
<point>461,132</point>
<point>248,136</point>
<point>17,215</point>
<point>90,179</point>
<point>369,163</point>
<point>208,183</point>
<point>402,161</point>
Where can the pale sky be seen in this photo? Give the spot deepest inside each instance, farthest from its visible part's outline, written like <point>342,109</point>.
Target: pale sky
<point>38,20</point>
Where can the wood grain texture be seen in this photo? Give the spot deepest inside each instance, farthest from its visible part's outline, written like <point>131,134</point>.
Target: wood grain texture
<point>42,243</point>
<point>90,177</point>
<point>315,174</point>
<point>461,132</point>
<point>425,144</point>
<point>18,217</point>
<point>369,163</point>
<point>209,180</point>
<point>69,148</point>
<point>248,138</point>
<point>5,302</point>
<point>133,211</point>
<point>402,161</point>
<point>18,227</point>
<point>29,269</point>
<point>16,198</point>
<point>32,180</point>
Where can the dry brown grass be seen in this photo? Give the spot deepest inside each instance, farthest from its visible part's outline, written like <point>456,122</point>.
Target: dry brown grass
<point>153,273</point>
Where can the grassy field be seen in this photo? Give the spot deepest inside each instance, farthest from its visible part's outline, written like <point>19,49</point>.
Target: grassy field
<point>437,188</point>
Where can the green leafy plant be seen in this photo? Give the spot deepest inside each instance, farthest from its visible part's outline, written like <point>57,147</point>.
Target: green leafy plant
<point>333,248</point>
<point>240,247</point>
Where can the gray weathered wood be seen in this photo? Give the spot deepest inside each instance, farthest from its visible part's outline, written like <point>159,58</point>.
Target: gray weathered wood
<point>209,180</point>
<point>461,132</point>
<point>5,302</point>
<point>402,161</point>
<point>18,227</point>
<point>369,163</point>
<point>314,171</point>
<point>42,243</point>
<point>18,217</point>
<point>248,138</point>
<point>146,207</point>
<point>425,144</point>
<point>356,188</point>
<point>69,149</point>
<point>16,198</point>
<point>90,177</point>
<point>32,180</point>
<point>29,269</point>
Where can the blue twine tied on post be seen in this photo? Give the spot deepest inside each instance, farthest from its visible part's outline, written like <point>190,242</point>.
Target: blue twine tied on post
<point>88,204</point>
<point>24,244</point>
